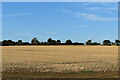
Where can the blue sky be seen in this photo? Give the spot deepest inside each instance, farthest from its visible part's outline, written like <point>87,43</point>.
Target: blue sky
<point>78,21</point>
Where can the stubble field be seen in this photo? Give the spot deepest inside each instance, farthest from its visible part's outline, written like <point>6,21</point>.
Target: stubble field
<point>60,61</point>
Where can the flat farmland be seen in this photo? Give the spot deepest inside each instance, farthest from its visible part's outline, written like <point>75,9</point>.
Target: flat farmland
<point>60,61</point>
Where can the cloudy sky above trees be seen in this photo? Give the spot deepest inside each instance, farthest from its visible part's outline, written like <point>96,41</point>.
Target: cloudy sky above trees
<point>78,21</point>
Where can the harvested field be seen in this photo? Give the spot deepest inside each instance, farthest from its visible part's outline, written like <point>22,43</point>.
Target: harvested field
<point>60,61</point>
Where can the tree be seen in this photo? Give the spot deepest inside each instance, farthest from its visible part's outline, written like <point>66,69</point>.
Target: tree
<point>88,42</point>
<point>106,42</point>
<point>54,42</point>
<point>68,41</point>
<point>25,43</point>
<point>8,42</point>
<point>95,43</point>
<point>49,41</point>
<point>117,42</point>
<point>77,43</point>
<point>19,42</point>
<point>112,43</point>
<point>58,42</point>
<point>0,43</point>
<point>4,43</point>
<point>45,43</point>
<point>35,41</point>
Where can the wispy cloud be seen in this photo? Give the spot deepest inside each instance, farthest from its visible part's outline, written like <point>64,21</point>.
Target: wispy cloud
<point>112,9</point>
<point>88,3</point>
<point>93,8</point>
<point>93,17</point>
<point>114,6</point>
<point>83,26</point>
<point>51,32</point>
<point>101,8</point>
<point>98,3</point>
<point>16,14</point>
<point>22,34</point>
<point>60,0</point>
<point>66,11</point>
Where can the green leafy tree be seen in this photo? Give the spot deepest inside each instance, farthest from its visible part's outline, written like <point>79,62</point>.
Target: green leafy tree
<point>0,43</point>
<point>95,43</point>
<point>88,42</point>
<point>117,42</point>
<point>68,41</point>
<point>50,41</point>
<point>8,42</point>
<point>106,42</point>
<point>54,42</point>
<point>58,42</point>
<point>19,42</point>
<point>35,41</point>
<point>5,43</point>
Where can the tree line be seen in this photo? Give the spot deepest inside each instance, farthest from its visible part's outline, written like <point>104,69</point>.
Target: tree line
<point>50,41</point>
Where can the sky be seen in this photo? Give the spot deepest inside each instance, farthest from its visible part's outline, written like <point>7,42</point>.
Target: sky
<point>78,21</point>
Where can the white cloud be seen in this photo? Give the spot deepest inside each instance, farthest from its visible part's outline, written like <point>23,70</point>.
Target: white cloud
<point>16,14</point>
<point>94,17</point>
